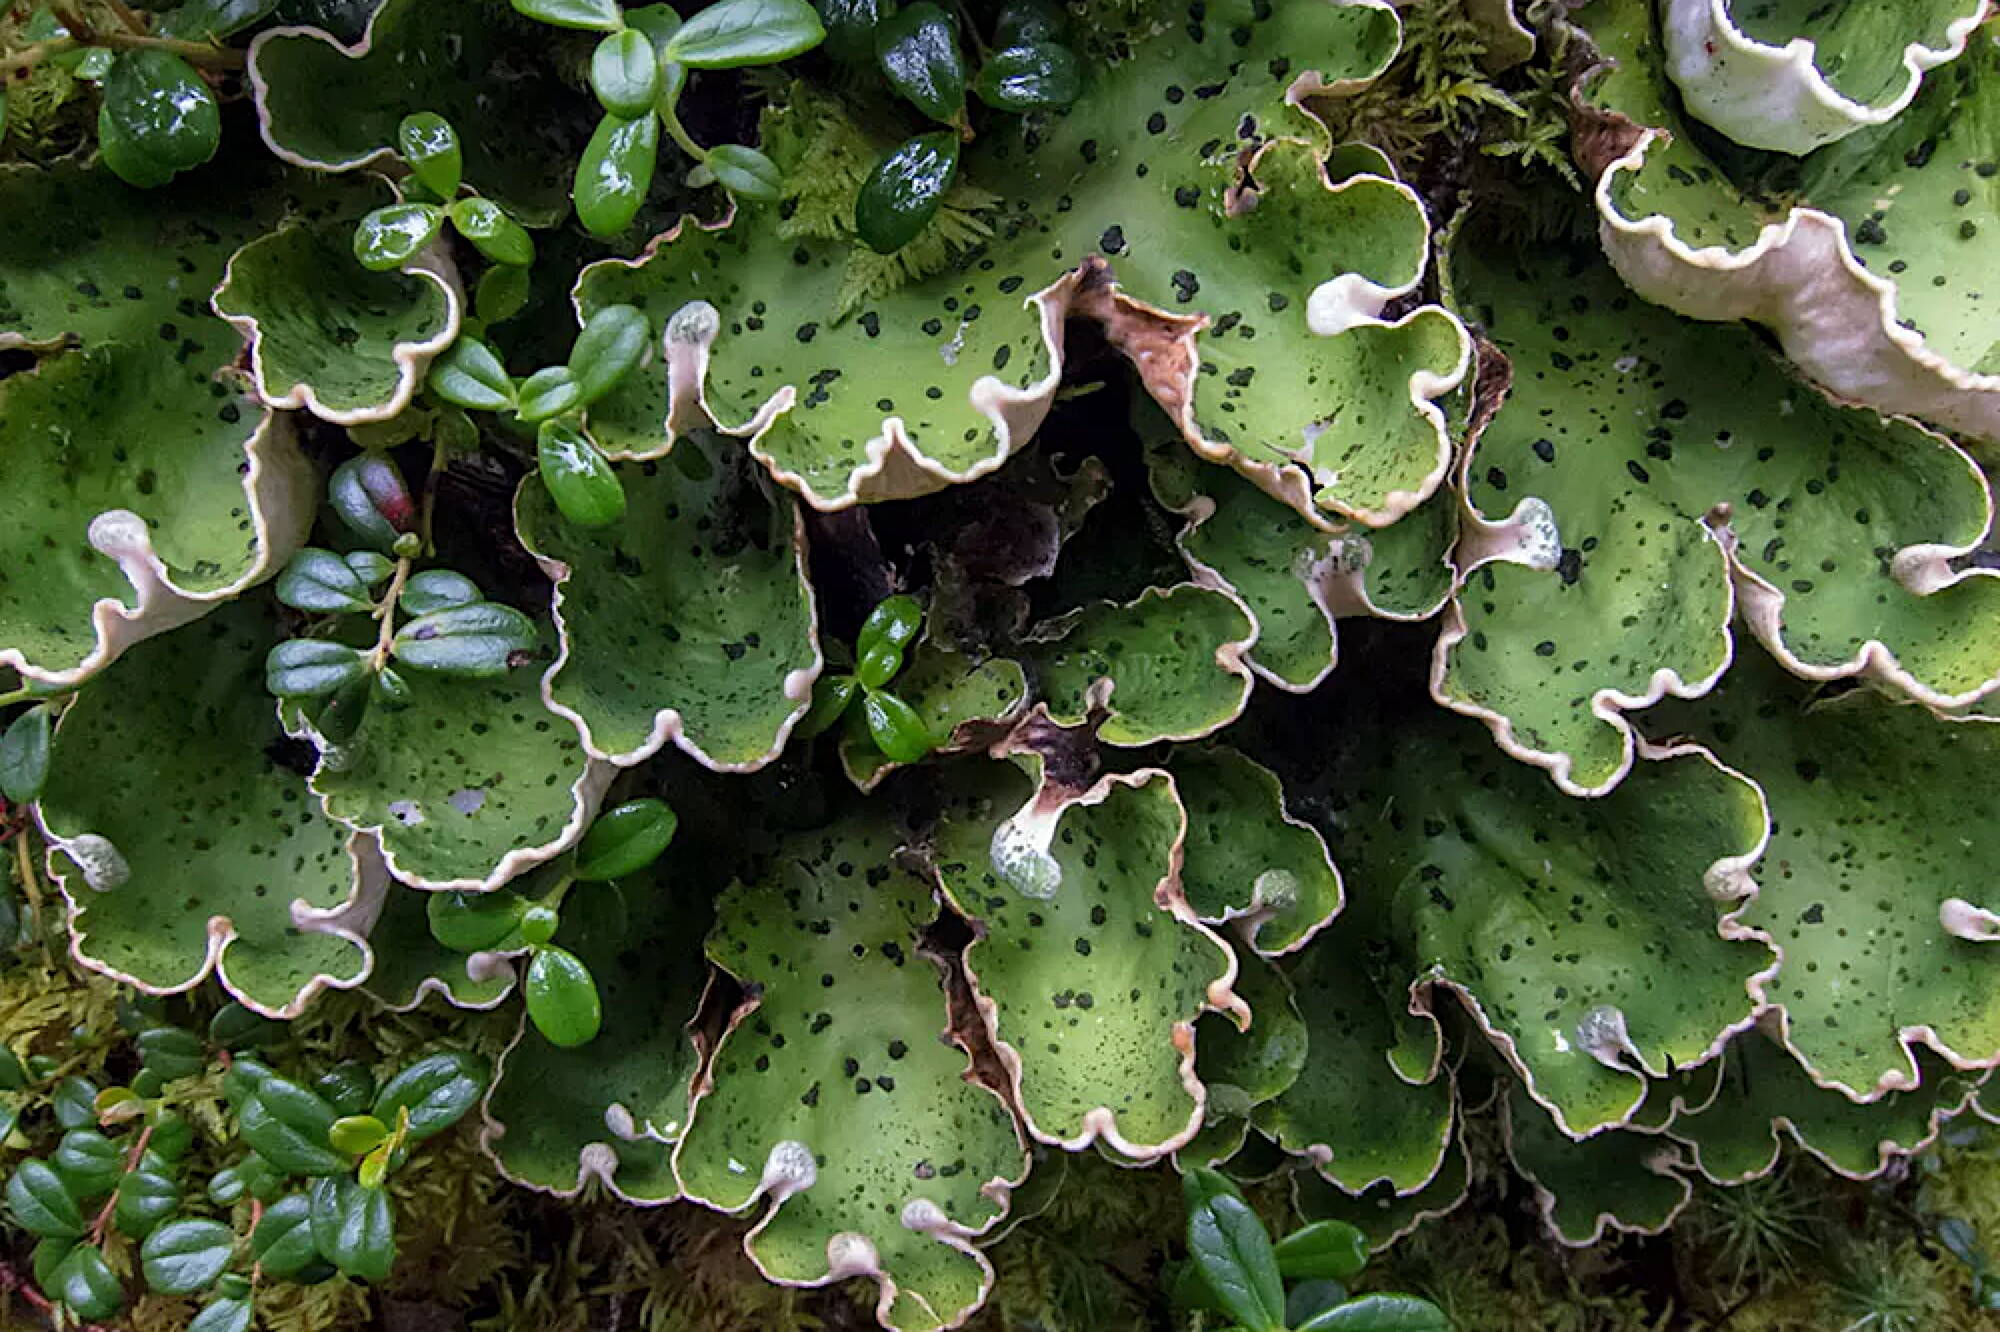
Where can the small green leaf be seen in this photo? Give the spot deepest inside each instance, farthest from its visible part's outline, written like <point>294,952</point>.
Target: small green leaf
<point>229,1314</point>
<point>469,374</point>
<point>577,475</point>
<point>1380,1313</point>
<point>370,498</point>
<point>437,1090</point>
<point>244,1077</point>
<point>470,922</point>
<point>902,193</point>
<point>850,28</point>
<point>322,582</point>
<point>430,145</point>
<point>173,1135</point>
<point>357,1135</point>
<point>734,33</point>
<point>496,235</point>
<point>172,1052</point>
<point>895,620</point>
<point>41,1202</point>
<point>24,759</point>
<point>611,345</point>
<point>895,726</point>
<point>1233,1250</point>
<point>562,997</point>
<point>160,115</point>
<point>625,73</point>
<point>354,1227</point>
<point>225,1186</point>
<point>374,1168</point>
<point>183,1257</point>
<point>12,1076</point>
<point>615,172</point>
<point>76,1102</point>
<point>502,294</point>
<point>282,1244</point>
<point>538,925</point>
<point>1325,1250</point>
<point>917,47</point>
<point>831,696</point>
<point>388,237</point>
<point>235,1027</point>
<point>1030,78</point>
<point>263,1180</point>
<point>312,668</point>
<point>211,20</point>
<point>746,173</point>
<point>548,393</point>
<point>145,1199</point>
<point>879,664</point>
<point>598,15</point>
<point>89,1163</point>
<point>339,719</point>
<point>287,1125</point>
<point>479,641</point>
<point>372,568</point>
<point>438,589</point>
<point>625,840</point>
<point>86,1285</point>
<point>348,1087</point>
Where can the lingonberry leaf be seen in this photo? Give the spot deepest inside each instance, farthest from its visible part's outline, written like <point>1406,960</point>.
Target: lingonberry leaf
<point>430,145</point>
<point>917,47</point>
<point>746,173</point>
<point>470,375</point>
<point>478,641</point>
<point>390,237</point>
<point>615,172</point>
<point>734,33</point>
<point>902,194</point>
<point>577,475</point>
<point>625,73</point>
<point>184,1257</point>
<point>495,235</point>
<point>625,840</point>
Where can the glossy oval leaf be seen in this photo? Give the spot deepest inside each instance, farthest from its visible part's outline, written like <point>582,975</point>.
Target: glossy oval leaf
<point>282,1243</point>
<point>577,475</point>
<point>468,375</point>
<point>183,1257</point>
<point>735,33</point>
<point>495,235</point>
<point>601,15</point>
<point>430,145</point>
<point>354,1227</point>
<point>1230,1246</point>
<point>611,344</point>
<point>562,998</point>
<point>323,583</point>
<point>746,173</point>
<point>902,193</point>
<point>312,668</point>
<point>625,840</point>
<point>390,237</point>
<point>479,641</point>
<point>161,110</point>
<point>625,73</point>
<point>1038,77</point>
<point>917,48</point>
<point>615,172</point>
<point>24,756</point>
<point>437,1091</point>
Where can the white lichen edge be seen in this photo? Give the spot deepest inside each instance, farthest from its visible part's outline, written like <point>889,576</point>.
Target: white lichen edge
<point>586,792</point>
<point>1528,536</point>
<point>1774,97</point>
<point>281,491</point>
<point>1922,570</point>
<point>1164,347</point>
<point>431,264</point>
<point>1727,880</point>
<point>1666,1162</point>
<point>1443,1208</point>
<point>1336,583</point>
<point>368,879</point>
<point>894,467</point>
<point>1231,658</point>
<point>1910,1075</point>
<point>668,724</point>
<point>1887,1152</point>
<point>1040,817</point>
<point>1834,319</point>
<point>789,1168</point>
